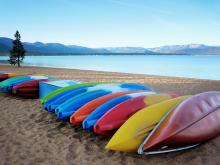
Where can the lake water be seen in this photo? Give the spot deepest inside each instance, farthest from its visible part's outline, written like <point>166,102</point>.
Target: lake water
<point>198,66</point>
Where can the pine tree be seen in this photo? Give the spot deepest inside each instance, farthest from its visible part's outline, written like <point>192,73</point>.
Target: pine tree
<point>17,53</point>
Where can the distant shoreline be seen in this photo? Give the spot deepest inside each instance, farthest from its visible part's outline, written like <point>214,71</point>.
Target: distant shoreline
<point>94,54</point>
<point>108,54</point>
<point>39,48</point>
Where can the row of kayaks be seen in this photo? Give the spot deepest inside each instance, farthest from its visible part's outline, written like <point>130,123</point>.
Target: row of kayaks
<point>136,117</point>
<point>139,120</point>
<point>22,84</point>
<point>4,76</point>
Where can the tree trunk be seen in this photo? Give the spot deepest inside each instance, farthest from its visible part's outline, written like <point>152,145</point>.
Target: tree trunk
<point>18,62</point>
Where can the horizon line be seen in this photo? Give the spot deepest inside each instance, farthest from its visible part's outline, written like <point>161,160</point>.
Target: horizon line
<point>192,43</point>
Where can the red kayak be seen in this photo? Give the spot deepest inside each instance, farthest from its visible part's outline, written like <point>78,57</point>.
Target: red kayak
<point>115,117</point>
<point>194,121</point>
<point>28,89</point>
<point>3,77</point>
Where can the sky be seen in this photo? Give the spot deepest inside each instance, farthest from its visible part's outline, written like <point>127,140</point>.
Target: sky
<point>112,23</point>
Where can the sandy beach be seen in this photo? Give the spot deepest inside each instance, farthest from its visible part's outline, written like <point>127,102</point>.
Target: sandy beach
<point>30,135</point>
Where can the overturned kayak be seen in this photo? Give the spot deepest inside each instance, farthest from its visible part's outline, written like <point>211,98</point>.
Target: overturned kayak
<point>51,104</point>
<point>133,132</point>
<point>115,117</point>
<point>49,87</point>
<point>28,88</point>
<point>7,85</point>
<point>65,110</point>
<point>195,120</point>
<point>63,90</point>
<point>92,118</point>
<point>84,111</point>
<point>4,76</point>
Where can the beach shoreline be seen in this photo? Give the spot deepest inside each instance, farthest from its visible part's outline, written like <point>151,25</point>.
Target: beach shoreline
<point>30,135</point>
<point>87,70</point>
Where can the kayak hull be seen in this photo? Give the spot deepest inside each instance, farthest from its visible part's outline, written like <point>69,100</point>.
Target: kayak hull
<point>28,89</point>
<point>185,124</point>
<point>3,77</point>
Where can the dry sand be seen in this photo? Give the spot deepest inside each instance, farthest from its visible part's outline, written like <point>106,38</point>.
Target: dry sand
<point>30,135</point>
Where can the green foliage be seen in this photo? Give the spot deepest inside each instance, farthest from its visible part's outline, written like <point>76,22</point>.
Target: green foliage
<point>17,53</point>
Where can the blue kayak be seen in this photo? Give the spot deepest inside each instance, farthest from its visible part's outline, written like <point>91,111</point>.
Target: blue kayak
<point>63,112</point>
<point>66,109</point>
<point>55,101</point>
<point>53,104</point>
<point>90,121</point>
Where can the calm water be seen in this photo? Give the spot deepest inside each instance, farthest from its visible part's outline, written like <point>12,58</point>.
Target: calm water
<point>203,67</point>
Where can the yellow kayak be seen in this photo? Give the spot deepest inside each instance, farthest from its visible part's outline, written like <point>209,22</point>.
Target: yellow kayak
<point>133,132</point>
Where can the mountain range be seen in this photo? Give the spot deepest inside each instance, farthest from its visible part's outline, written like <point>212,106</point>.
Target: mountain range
<point>57,48</point>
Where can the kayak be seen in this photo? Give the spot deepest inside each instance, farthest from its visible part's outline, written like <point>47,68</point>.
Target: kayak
<point>50,86</point>
<point>7,85</point>
<point>64,89</point>
<point>29,87</point>
<point>65,110</point>
<point>84,111</point>
<point>4,76</point>
<point>51,104</point>
<point>195,120</point>
<point>133,132</point>
<point>29,90</point>
<point>92,118</point>
<point>4,85</point>
<point>115,117</point>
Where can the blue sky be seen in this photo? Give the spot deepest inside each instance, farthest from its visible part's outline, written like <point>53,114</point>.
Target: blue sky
<point>109,23</point>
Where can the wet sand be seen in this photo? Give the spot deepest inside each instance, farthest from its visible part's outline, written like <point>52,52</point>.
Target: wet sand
<point>30,135</point>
